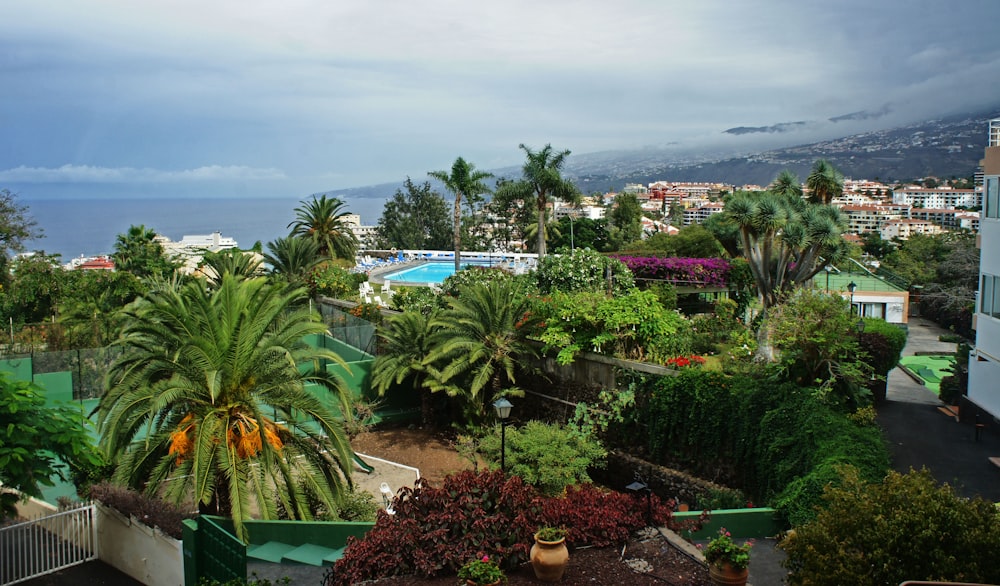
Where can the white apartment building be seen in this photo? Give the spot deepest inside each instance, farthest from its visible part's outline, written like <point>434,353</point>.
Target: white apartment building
<point>905,228</point>
<point>701,213</point>
<point>365,234</point>
<point>562,210</point>
<point>984,360</point>
<point>868,218</point>
<point>939,198</point>
<point>947,217</point>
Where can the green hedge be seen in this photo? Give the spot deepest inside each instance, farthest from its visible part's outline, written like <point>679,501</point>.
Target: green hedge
<point>777,442</point>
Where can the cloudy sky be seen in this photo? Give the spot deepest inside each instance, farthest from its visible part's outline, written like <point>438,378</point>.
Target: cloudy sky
<point>292,97</point>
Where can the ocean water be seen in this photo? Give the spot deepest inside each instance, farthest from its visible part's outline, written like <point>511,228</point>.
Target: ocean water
<point>88,227</point>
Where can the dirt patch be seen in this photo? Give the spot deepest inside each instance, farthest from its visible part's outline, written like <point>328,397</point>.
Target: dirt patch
<point>432,452</point>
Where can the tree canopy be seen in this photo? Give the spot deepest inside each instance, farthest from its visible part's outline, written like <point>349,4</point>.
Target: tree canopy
<point>786,240</point>
<point>36,440</point>
<point>415,219</point>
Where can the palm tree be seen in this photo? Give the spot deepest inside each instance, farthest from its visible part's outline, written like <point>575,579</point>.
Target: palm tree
<point>324,222</point>
<point>293,258</point>
<point>787,184</point>
<point>464,180</point>
<point>541,178</point>
<point>138,252</point>
<point>824,182</point>
<point>208,402</point>
<point>405,342</point>
<point>481,341</point>
<point>240,264</point>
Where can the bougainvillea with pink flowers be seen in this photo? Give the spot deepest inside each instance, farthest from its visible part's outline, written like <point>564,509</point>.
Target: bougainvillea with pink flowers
<point>697,272</point>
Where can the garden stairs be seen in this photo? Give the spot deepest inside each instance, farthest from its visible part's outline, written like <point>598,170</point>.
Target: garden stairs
<point>284,553</point>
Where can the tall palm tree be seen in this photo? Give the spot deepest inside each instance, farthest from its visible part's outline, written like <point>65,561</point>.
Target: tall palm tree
<point>480,343</point>
<point>464,180</point>
<point>405,342</point>
<point>323,220</point>
<point>824,182</point>
<point>541,179</point>
<point>208,402</point>
<point>293,258</point>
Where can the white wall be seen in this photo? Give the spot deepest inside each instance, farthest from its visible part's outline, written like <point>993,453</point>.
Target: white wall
<point>146,554</point>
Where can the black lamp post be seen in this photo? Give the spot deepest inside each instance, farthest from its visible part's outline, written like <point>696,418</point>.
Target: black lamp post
<point>851,287</point>
<point>502,407</point>
<point>639,486</point>
<point>828,268</point>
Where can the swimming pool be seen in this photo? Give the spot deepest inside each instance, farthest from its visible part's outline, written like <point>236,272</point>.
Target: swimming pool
<point>434,272</point>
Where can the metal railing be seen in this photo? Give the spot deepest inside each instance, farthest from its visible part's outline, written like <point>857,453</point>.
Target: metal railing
<point>47,544</point>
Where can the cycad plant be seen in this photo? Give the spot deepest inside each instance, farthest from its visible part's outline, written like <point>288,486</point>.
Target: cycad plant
<point>208,402</point>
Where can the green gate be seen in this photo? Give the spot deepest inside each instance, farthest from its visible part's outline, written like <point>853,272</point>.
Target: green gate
<point>212,553</point>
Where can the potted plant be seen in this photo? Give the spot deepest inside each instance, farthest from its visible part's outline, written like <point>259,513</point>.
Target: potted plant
<point>549,555</point>
<point>727,560</point>
<point>481,572</point>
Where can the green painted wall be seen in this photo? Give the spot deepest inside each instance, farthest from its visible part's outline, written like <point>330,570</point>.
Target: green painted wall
<point>742,523</point>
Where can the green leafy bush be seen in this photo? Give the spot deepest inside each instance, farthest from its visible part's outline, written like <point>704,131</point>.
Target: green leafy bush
<point>584,270</point>
<point>632,325</point>
<point>547,456</point>
<point>483,275</point>
<point>883,344</point>
<point>422,299</point>
<point>905,527</point>
<point>778,442</point>
<point>336,282</point>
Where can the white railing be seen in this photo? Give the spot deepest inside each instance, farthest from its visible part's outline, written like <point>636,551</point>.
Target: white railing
<point>47,544</point>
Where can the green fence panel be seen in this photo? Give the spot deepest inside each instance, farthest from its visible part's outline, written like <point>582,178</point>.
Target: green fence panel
<point>221,556</point>
<point>58,386</point>
<point>19,368</point>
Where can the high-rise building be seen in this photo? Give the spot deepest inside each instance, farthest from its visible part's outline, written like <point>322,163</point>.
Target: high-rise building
<point>984,360</point>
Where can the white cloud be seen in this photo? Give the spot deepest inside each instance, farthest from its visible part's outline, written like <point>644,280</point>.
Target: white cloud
<point>93,174</point>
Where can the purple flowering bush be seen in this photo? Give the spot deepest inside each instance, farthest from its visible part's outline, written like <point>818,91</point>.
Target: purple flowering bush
<point>698,272</point>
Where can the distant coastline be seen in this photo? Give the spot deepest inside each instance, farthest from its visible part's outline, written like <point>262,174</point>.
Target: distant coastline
<point>88,227</point>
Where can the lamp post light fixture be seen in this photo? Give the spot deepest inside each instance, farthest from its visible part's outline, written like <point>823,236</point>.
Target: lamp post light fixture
<point>502,407</point>
<point>851,287</point>
<point>639,486</point>
<point>827,268</point>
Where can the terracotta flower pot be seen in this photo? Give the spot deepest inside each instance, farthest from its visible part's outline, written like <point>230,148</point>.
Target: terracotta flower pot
<point>549,559</point>
<point>724,574</point>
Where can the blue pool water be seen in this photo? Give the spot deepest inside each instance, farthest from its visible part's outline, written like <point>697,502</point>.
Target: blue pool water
<point>432,272</point>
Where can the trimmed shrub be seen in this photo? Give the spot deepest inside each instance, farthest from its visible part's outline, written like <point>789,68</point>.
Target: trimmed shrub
<point>549,457</point>
<point>905,527</point>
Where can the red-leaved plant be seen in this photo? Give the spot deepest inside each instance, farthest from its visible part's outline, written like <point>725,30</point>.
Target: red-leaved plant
<point>437,530</point>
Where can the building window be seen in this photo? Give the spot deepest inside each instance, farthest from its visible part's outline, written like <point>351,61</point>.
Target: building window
<point>992,199</point>
<point>872,310</point>
<point>989,296</point>
<point>986,295</point>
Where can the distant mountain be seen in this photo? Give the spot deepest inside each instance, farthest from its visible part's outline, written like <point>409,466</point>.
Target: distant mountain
<point>943,148</point>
